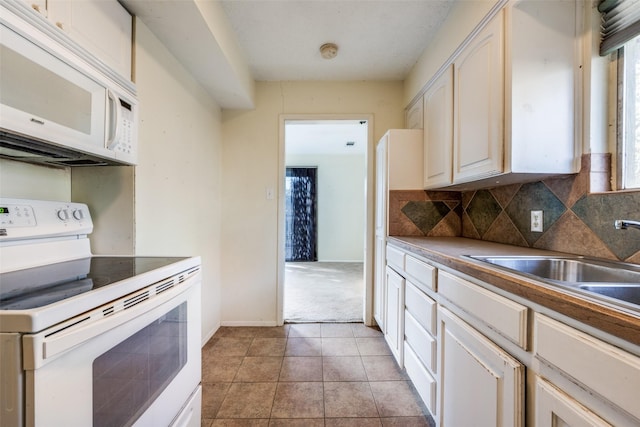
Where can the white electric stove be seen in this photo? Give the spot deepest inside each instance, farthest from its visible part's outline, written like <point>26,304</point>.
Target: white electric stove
<point>92,340</point>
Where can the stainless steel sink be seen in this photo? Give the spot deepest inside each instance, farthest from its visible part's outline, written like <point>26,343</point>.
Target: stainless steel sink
<point>575,270</point>
<point>625,292</point>
<point>610,279</point>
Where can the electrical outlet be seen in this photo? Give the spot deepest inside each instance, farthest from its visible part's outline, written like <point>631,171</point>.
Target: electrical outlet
<point>536,221</point>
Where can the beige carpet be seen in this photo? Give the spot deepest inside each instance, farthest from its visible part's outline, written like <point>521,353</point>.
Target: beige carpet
<point>323,292</point>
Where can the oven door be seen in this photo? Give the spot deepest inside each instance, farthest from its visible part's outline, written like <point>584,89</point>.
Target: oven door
<point>137,366</point>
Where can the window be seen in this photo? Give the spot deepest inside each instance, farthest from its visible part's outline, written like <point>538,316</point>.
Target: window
<point>629,114</point>
<point>620,31</point>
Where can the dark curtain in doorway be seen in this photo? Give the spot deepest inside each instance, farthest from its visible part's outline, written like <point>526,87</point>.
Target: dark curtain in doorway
<point>300,212</point>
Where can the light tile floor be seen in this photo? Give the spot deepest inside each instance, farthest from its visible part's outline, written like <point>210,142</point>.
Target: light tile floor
<point>321,374</point>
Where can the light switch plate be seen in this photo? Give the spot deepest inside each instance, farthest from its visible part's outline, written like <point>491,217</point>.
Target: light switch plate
<point>269,193</point>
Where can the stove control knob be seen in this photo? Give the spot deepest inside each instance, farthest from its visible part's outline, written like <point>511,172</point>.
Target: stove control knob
<point>78,214</point>
<point>63,214</point>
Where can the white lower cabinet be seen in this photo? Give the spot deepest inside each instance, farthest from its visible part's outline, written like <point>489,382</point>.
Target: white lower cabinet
<point>394,316</point>
<point>420,344</point>
<point>423,380</point>
<point>480,383</point>
<point>556,409</point>
<point>466,345</point>
<point>609,375</point>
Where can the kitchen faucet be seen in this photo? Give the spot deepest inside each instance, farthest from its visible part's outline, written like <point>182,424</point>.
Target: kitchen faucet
<point>623,224</point>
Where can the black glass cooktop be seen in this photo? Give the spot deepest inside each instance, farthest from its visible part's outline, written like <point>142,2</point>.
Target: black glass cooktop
<point>40,286</point>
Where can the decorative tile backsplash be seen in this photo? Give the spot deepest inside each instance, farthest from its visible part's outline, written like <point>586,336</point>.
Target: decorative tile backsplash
<point>574,221</point>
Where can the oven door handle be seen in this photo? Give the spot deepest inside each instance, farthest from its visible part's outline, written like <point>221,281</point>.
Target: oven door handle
<point>52,342</point>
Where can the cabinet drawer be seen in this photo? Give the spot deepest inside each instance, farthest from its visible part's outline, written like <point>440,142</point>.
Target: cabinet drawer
<point>504,316</point>
<point>605,369</point>
<point>395,258</point>
<point>421,272</point>
<point>420,341</point>
<point>421,307</point>
<point>424,383</point>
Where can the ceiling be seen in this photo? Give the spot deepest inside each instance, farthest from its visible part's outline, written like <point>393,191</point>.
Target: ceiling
<point>377,40</point>
<point>227,45</point>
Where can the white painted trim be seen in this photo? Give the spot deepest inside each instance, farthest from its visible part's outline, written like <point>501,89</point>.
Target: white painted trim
<point>261,323</point>
<point>369,228</point>
<point>208,337</point>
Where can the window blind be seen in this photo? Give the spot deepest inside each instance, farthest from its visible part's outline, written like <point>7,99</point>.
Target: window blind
<point>620,23</point>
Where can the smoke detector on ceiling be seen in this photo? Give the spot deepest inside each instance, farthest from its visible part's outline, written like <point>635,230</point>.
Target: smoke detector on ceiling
<point>329,50</point>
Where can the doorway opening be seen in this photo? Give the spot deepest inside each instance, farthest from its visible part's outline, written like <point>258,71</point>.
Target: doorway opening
<point>325,220</point>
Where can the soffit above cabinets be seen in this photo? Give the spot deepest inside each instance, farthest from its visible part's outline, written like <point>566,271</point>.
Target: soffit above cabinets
<point>197,33</point>
<point>229,44</point>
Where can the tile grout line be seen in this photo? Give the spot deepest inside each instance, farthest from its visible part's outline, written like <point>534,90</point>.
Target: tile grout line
<point>360,356</point>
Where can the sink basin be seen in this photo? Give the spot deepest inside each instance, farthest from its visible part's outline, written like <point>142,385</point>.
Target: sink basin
<point>610,279</point>
<point>624,292</point>
<point>572,270</point>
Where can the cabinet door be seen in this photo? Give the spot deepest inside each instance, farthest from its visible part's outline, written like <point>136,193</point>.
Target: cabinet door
<point>438,131</point>
<point>414,116</point>
<point>479,105</point>
<point>555,409</point>
<point>481,385</point>
<point>394,318</point>
<point>39,6</point>
<point>543,85</point>
<point>379,290</point>
<point>102,27</point>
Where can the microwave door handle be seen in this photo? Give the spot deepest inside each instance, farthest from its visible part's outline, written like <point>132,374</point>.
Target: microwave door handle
<point>115,138</point>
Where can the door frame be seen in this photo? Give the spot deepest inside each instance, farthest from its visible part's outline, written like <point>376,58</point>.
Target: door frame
<point>369,229</point>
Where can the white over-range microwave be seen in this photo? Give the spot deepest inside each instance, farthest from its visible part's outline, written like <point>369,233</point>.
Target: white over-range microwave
<point>57,107</point>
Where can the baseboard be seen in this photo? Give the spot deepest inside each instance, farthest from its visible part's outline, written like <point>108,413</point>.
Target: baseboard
<point>209,336</point>
<point>249,323</point>
<point>338,260</point>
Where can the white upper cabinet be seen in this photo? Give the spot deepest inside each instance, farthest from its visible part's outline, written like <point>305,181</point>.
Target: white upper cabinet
<point>516,96</point>
<point>479,106</point>
<point>438,131</point>
<point>102,27</point>
<point>414,116</point>
<point>543,86</point>
<point>39,6</point>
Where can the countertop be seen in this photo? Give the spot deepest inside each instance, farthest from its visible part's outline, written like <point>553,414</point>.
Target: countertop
<point>447,251</point>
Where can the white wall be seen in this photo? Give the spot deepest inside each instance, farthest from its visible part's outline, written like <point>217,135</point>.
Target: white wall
<point>340,204</point>
<point>25,181</point>
<point>169,204</point>
<point>251,156</point>
<point>178,178</point>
